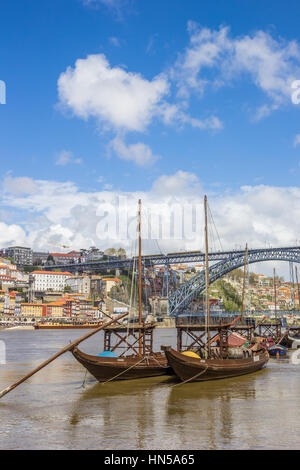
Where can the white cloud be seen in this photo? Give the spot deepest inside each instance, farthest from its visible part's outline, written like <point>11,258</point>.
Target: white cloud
<point>264,111</point>
<point>212,122</point>
<point>114,4</point>
<point>139,153</point>
<point>173,114</point>
<point>11,235</point>
<point>297,140</point>
<point>117,98</point>
<point>206,49</point>
<point>61,213</point>
<point>65,157</point>
<point>105,2</point>
<point>123,102</point>
<point>108,187</point>
<point>19,185</point>
<point>116,7</point>
<point>114,41</point>
<point>215,58</point>
<point>180,183</point>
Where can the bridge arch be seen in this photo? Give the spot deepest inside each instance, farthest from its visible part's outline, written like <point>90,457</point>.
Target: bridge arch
<point>183,296</point>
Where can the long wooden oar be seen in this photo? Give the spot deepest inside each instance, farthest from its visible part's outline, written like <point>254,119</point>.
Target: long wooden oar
<point>59,353</point>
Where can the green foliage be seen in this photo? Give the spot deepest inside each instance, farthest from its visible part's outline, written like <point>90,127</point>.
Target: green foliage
<point>110,252</point>
<point>121,252</point>
<point>236,274</point>
<point>29,269</point>
<point>253,280</point>
<point>115,252</point>
<point>230,297</point>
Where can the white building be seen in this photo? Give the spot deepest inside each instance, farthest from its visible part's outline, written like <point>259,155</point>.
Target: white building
<point>46,280</point>
<point>79,284</point>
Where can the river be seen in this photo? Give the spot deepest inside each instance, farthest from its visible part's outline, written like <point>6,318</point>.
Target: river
<point>56,410</point>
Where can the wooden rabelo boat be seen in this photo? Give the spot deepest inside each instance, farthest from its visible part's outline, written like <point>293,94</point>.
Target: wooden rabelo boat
<point>194,369</point>
<point>216,359</point>
<point>123,368</point>
<point>142,363</point>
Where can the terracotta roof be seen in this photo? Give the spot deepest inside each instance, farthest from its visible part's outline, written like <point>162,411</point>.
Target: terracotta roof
<point>55,304</point>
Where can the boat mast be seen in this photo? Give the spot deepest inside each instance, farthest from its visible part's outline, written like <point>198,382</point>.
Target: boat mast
<point>275,294</point>
<point>140,279</point>
<point>244,279</point>
<point>296,269</point>
<point>207,276</point>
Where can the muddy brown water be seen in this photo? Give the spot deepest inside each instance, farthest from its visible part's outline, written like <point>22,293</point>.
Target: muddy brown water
<point>52,410</point>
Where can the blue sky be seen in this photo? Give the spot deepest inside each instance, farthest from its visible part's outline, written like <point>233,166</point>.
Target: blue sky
<point>160,99</point>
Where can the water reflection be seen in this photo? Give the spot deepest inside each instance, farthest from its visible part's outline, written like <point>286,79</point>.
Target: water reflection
<point>211,408</point>
<point>53,411</point>
<point>135,403</point>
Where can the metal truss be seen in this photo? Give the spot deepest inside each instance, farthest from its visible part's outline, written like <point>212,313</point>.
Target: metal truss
<point>182,297</point>
<point>164,260</point>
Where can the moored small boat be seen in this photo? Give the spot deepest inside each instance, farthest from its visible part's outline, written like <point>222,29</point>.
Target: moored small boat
<point>65,326</point>
<point>105,368</point>
<point>144,362</point>
<point>221,353</point>
<point>195,369</point>
<point>278,350</point>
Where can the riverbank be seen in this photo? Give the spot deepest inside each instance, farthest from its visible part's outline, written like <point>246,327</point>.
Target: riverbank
<point>17,327</point>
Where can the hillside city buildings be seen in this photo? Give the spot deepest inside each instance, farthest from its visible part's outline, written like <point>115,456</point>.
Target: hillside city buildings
<point>20,255</point>
<point>24,256</point>
<point>31,291</point>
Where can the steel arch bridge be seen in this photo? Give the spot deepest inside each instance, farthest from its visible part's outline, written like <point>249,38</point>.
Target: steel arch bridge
<point>183,296</point>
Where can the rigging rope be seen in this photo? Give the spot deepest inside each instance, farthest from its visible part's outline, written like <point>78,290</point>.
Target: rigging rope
<point>123,372</point>
<point>191,378</point>
<point>214,225</point>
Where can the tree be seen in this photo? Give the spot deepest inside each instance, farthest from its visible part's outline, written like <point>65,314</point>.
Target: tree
<point>110,252</point>
<point>121,252</point>
<point>50,259</point>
